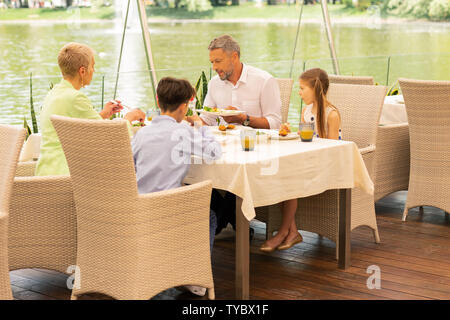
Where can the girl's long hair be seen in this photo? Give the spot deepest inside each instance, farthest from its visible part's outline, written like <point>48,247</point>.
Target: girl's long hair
<point>317,79</point>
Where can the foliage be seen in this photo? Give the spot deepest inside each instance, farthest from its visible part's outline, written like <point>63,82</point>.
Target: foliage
<point>190,5</point>
<point>201,89</point>
<point>432,9</point>
<point>201,95</point>
<point>439,10</point>
<point>33,114</point>
<point>27,127</point>
<point>393,91</point>
<point>362,5</point>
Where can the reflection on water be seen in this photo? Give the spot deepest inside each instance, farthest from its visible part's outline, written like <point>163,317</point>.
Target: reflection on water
<point>181,50</point>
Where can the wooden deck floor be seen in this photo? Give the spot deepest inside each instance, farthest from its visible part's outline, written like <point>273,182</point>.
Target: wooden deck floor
<point>414,259</point>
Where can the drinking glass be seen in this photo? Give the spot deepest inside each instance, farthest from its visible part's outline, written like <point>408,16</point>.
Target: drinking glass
<point>152,114</point>
<point>306,131</point>
<point>248,138</point>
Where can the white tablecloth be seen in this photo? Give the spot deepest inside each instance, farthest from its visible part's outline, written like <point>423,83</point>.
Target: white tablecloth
<point>393,111</point>
<point>282,170</point>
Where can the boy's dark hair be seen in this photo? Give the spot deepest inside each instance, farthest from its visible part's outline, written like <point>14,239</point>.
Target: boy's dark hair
<point>173,92</point>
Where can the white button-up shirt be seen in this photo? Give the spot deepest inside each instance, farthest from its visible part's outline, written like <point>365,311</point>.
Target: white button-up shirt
<point>256,92</point>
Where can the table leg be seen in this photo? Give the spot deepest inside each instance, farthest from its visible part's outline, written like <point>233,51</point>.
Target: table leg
<point>242,253</point>
<point>345,203</point>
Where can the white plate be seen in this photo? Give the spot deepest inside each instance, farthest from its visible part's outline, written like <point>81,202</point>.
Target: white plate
<point>222,112</point>
<point>235,131</point>
<point>274,135</point>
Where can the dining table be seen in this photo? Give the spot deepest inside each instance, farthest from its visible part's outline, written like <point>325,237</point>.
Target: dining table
<point>278,170</point>
<point>394,110</point>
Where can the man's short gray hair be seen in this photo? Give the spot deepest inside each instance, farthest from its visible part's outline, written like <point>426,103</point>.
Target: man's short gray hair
<point>226,43</point>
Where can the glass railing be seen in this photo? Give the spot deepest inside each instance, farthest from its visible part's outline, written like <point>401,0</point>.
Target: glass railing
<point>134,87</point>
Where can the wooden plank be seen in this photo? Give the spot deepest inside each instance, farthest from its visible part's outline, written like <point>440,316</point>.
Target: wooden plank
<point>345,202</point>
<point>414,258</point>
<point>242,253</point>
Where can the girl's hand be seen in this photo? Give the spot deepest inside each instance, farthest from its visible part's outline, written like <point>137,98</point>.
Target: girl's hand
<point>286,126</point>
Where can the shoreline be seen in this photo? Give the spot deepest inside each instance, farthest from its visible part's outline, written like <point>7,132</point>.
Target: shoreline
<point>356,21</point>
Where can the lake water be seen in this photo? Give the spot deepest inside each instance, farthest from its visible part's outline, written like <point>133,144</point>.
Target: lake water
<point>417,50</point>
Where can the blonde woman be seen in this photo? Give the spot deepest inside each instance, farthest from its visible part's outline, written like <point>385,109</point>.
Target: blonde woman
<point>76,62</point>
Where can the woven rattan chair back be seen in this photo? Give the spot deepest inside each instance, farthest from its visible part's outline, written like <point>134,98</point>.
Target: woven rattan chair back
<point>285,94</point>
<point>11,141</point>
<point>351,79</point>
<point>428,110</point>
<point>360,108</point>
<point>110,168</point>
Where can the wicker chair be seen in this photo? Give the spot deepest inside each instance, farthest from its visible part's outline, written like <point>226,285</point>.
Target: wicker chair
<point>392,156</point>
<point>11,141</point>
<point>391,159</point>
<point>360,109</point>
<point>26,169</point>
<point>130,245</point>
<point>285,93</point>
<point>428,109</point>
<point>350,79</point>
<point>42,228</point>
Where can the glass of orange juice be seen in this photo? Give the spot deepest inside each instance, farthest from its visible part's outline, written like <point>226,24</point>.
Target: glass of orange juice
<point>248,139</point>
<point>152,114</point>
<point>306,131</point>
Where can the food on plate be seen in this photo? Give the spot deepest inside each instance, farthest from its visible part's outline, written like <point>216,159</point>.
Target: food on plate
<point>283,132</point>
<point>222,127</point>
<point>210,109</point>
<point>137,123</point>
<point>286,126</point>
<point>231,126</point>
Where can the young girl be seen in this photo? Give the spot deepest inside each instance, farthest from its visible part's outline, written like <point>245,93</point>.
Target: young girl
<point>313,89</point>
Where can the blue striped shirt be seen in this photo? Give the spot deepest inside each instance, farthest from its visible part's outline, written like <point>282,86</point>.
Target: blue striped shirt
<point>162,152</point>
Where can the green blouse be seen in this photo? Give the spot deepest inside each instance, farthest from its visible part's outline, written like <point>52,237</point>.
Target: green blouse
<point>62,100</point>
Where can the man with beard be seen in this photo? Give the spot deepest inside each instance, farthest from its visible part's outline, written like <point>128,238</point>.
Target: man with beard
<point>241,87</point>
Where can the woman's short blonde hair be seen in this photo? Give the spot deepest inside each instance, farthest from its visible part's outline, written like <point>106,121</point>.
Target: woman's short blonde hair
<point>73,56</point>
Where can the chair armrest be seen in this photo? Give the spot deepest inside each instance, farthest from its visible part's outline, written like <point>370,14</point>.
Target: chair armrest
<point>183,199</point>
<point>393,125</point>
<point>368,149</point>
<point>25,169</point>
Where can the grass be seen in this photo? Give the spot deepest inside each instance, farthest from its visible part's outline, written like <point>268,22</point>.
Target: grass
<point>57,14</point>
<point>249,11</point>
<point>243,11</point>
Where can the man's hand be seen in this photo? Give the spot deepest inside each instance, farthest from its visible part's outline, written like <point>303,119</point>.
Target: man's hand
<point>135,114</point>
<point>111,108</point>
<point>240,118</point>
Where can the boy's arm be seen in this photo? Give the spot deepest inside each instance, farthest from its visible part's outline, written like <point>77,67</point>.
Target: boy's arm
<point>205,145</point>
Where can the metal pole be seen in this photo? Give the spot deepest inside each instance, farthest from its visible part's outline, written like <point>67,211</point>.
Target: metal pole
<point>388,70</point>
<point>147,45</point>
<point>296,37</point>
<point>103,92</point>
<point>326,19</point>
<point>121,49</point>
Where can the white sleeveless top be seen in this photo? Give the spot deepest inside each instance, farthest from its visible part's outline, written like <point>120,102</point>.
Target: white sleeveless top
<point>309,116</point>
